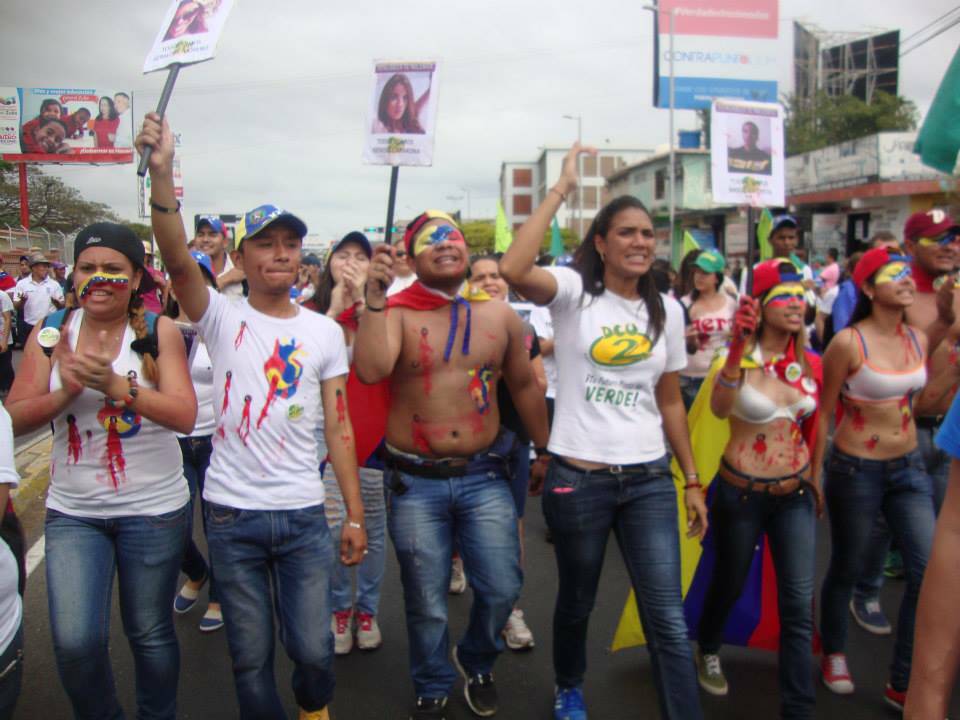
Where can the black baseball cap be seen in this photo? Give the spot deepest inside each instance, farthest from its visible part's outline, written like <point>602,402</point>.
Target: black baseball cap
<point>116,237</point>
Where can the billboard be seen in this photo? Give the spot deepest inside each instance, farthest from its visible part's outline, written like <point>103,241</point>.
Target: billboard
<point>862,67</point>
<point>722,48</point>
<point>746,153</point>
<point>188,34</point>
<point>402,115</point>
<point>58,125</point>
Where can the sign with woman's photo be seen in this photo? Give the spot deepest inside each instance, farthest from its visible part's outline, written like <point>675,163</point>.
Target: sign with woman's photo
<point>746,153</point>
<point>403,114</point>
<point>188,34</point>
<point>62,125</point>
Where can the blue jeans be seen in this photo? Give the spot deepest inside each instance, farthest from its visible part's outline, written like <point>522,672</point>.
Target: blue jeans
<point>11,675</point>
<point>425,515</point>
<point>519,470</point>
<point>857,490</point>
<point>737,519</point>
<point>83,554</point>
<point>292,550</point>
<point>370,570</point>
<point>640,507</point>
<point>196,458</point>
<point>937,466</point>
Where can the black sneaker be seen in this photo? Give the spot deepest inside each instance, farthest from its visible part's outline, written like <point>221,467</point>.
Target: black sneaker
<point>428,709</point>
<point>478,689</point>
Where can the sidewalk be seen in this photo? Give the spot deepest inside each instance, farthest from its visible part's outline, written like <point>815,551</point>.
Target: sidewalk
<point>33,465</point>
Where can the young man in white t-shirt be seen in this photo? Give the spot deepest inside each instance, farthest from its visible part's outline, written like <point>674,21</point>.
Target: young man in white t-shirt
<point>210,237</point>
<point>274,363</point>
<point>37,294</point>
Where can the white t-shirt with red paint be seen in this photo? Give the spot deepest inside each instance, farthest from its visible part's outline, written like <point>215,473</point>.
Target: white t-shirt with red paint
<point>607,372</point>
<point>267,373</point>
<point>108,461</point>
<point>713,329</point>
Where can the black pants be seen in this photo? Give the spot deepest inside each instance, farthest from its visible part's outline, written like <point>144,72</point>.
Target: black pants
<point>6,370</point>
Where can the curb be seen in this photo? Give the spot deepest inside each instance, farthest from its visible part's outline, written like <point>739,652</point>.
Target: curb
<point>33,466</point>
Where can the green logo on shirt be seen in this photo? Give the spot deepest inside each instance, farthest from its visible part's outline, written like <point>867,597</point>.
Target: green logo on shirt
<point>295,412</point>
<point>620,345</point>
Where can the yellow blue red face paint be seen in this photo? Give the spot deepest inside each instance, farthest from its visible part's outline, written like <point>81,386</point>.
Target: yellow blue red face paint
<point>434,235</point>
<point>784,294</point>
<point>101,280</point>
<point>892,272</point>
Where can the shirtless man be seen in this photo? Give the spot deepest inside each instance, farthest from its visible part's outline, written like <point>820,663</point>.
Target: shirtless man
<point>446,469</point>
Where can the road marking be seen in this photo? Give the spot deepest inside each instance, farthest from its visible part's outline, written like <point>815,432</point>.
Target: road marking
<point>35,554</point>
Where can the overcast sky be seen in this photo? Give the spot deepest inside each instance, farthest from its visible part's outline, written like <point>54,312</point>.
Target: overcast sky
<point>278,116</point>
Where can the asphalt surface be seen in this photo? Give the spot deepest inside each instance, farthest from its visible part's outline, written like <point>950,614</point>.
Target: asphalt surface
<point>376,685</point>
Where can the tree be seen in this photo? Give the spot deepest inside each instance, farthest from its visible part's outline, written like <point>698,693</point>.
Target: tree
<point>144,232</point>
<point>828,120</point>
<point>54,205</point>
<point>479,236</point>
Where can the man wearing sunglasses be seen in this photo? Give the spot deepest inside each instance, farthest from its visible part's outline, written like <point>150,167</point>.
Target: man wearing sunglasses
<point>404,276</point>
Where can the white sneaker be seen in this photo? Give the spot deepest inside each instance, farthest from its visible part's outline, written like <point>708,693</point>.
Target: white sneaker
<point>368,632</point>
<point>516,633</point>
<point>342,626</point>
<point>458,578</point>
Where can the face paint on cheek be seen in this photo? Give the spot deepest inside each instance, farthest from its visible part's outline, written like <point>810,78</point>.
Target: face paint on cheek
<point>436,235</point>
<point>893,272</point>
<point>784,294</point>
<point>101,280</point>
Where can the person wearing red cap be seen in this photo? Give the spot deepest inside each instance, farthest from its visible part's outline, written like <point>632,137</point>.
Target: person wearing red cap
<point>876,370</point>
<point>767,481</point>
<point>444,355</point>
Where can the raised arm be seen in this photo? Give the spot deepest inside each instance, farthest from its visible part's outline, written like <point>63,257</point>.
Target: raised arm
<point>379,336</point>
<point>185,275</point>
<point>728,379</point>
<point>518,265</point>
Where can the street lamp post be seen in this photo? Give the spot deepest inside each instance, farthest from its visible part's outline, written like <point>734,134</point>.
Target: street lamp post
<point>672,180</point>
<point>579,215</point>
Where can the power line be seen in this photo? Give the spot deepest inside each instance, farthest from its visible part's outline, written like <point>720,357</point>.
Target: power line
<point>931,37</point>
<point>929,24</point>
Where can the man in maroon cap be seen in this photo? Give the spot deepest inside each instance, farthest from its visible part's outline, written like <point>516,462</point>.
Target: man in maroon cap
<point>929,238</point>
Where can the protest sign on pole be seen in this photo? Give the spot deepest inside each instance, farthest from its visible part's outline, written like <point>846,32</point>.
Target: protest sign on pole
<point>188,35</point>
<point>746,153</point>
<point>143,183</point>
<point>402,114</point>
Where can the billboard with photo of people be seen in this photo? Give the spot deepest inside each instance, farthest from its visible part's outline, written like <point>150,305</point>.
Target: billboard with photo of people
<point>402,114</point>
<point>64,125</point>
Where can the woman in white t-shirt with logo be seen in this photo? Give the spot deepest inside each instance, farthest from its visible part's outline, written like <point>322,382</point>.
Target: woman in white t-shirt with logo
<point>118,503</point>
<point>711,312</point>
<point>619,349</point>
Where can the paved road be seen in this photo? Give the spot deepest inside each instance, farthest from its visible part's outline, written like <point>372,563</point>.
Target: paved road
<point>375,686</point>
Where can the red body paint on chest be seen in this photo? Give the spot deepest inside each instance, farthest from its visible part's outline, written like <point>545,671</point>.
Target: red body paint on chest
<point>420,441</point>
<point>906,412</point>
<point>74,443</point>
<point>871,444</point>
<point>856,417</point>
<point>760,444</point>
<point>341,408</point>
<point>426,360</point>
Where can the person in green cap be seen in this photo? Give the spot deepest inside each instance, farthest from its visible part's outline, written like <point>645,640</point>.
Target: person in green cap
<point>711,314</point>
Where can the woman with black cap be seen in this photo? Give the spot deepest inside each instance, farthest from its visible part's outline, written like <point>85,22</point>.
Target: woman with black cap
<point>117,390</point>
<point>876,370</point>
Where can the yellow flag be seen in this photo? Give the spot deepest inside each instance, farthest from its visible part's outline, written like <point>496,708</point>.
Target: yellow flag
<point>502,237</point>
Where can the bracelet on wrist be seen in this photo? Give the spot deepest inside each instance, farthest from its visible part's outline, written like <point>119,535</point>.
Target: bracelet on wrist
<point>696,485</point>
<point>375,309</point>
<point>354,525</point>
<point>163,209</point>
<point>724,381</point>
<point>563,197</point>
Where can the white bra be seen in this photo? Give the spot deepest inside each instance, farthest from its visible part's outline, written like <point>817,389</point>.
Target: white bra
<point>754,407</point>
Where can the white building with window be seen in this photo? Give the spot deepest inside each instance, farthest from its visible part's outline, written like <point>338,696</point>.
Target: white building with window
<point>524,184</point>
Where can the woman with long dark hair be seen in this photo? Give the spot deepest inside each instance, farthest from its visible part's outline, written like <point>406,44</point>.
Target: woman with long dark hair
<point>106,123</point>
<point>117,393</point>
<point>876,370</point>
<point>399,108</point>
<point>767,479</point>
<point>340,296</point>
<point>619,349</point>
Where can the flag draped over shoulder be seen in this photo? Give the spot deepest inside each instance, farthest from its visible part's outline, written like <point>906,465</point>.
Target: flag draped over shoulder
<point>502,237</point>
<point>370,404</point>
<point>753,621</point>
<point>939,140</point>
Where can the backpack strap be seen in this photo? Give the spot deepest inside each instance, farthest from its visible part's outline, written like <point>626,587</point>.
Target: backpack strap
<point>56,321</point>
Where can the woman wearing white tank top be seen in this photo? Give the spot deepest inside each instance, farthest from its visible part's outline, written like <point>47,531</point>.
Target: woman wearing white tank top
<point>768,479</point>
<point>876,369</point>
<point>118,502</point>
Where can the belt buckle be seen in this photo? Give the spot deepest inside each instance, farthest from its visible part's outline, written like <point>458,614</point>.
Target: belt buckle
<point>616,469</point>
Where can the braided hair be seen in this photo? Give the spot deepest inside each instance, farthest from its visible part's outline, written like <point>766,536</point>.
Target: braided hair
<point>138,321</point>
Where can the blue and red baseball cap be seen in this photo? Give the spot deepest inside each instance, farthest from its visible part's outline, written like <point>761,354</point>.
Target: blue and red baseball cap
<point>206,265</point>
<point>215,223</point>
<point>260,218</point>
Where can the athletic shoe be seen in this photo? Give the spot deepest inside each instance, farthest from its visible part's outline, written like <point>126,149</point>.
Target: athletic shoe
<point>478,689</point>
<point>836,676</point>
<point>568,704</point>
<point>894,698</point>
<point>368,632</point>
<point>428,709</point>
<point>458,578</point>
<point>211,621</point>
<point>186,598</point>
<point>710,674</point>
<point>893,567</point>
<point>516,633</point>
<point>869,616</point>
<point>321,714</point>
<point>341,624</point>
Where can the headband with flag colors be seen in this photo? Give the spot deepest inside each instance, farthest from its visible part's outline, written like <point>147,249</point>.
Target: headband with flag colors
<point>768,274</point>
<point>416,237</point>
<point>872,261</point>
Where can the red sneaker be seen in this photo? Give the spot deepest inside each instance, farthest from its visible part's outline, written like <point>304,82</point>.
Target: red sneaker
<point>836,676</point>
<point>894,698</point>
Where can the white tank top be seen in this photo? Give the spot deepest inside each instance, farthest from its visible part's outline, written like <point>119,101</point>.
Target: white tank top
<point>112,462</point>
